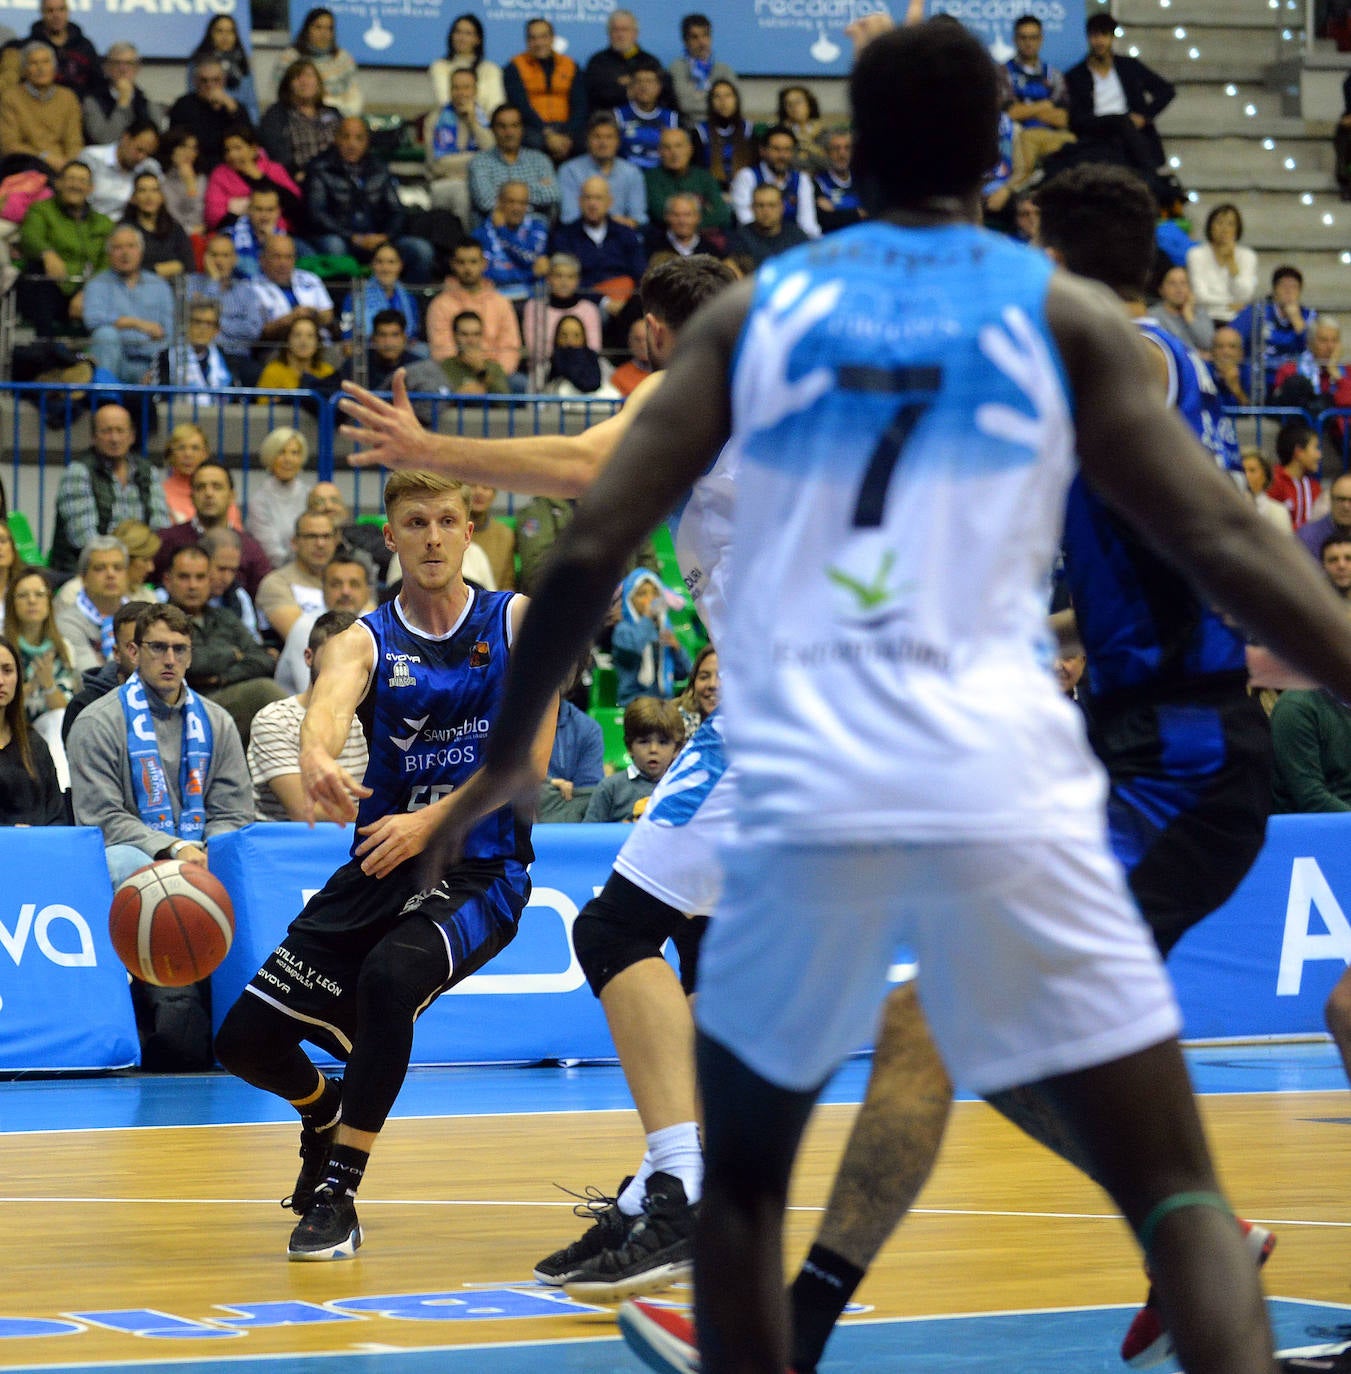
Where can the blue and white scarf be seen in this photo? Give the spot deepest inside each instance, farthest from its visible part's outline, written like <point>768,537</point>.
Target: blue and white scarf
<point>701,71</point>
<point>107,640</point>
<point>149,784</point>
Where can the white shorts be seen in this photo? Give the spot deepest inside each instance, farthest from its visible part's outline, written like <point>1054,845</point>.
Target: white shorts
<point>674,851</point>
<point>1033,959</point>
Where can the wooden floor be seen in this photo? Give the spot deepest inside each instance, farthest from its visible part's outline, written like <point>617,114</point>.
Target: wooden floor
<point>118,1225</point>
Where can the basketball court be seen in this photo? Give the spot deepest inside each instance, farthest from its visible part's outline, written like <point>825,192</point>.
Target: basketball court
<point>139,1227</point>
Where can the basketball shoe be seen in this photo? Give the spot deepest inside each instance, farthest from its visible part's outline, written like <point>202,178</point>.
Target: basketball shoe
<point>314,1143</point>
<point>664,1337</point>
<point>329,1230</point>
<point>1147,1342</point>
<point>657,1252</point>
<point>608,1228</point>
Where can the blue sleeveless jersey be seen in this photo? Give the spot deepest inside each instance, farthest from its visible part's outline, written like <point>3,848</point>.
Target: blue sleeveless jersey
<point>1191,388</point>
<point>427,715</point>
<point>1142,626</point>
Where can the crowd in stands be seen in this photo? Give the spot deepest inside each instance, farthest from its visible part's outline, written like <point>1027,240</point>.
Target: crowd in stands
<point>553,184</point>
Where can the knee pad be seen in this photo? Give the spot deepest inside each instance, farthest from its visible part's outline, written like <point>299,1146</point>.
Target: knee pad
<point>620,927</point>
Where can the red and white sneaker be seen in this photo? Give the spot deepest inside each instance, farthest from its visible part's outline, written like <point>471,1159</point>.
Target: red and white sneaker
<point>662,1337</point>
<point>1147,1342</point>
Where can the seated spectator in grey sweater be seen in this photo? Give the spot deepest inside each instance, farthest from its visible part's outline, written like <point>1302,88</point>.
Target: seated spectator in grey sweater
<point>158,768</point>
<point>653,734</point>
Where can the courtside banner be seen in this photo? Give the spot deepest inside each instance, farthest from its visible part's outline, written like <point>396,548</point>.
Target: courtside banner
<point>529,1003</point>
<point>793,38</point>
<point>64,1002</point>
<point>159,28</point>
<point>1265,962</point>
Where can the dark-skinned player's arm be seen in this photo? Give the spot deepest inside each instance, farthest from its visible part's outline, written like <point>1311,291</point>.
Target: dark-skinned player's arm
<point>1146,463</point>
<point>670,444</point>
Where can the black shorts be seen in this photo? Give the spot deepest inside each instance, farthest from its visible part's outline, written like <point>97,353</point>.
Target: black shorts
<point>1190,795</point>
<point>312,975</point>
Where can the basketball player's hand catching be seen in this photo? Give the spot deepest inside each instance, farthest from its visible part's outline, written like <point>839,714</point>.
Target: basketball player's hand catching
<point>389,433</point>
<point>393,840</point>
<point>327,783</point>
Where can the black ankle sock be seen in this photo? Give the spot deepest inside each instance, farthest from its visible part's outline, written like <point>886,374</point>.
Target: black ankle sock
<point>344,1170</point>
<point>324,1111</point>
<point>819,1294</point>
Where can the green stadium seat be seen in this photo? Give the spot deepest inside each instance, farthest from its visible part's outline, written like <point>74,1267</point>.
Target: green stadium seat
<point>611,722</point>
<point>25,543</point>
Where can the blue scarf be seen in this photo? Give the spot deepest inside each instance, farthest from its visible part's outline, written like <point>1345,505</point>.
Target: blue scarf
<point>148,782</point>
<point>701,71</point>
<point>107,640</point>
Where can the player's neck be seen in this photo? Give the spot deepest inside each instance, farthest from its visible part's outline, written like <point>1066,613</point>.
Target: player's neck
<point>434,613</point>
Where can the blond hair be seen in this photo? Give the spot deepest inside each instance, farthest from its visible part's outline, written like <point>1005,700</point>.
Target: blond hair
<point>408,486</point>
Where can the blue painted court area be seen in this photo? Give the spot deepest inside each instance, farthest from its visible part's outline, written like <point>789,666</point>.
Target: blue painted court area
<point>1080,1339</point>
<point>130,1100</point>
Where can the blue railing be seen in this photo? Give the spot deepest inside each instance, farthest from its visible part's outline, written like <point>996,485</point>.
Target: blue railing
<point>236,420</point>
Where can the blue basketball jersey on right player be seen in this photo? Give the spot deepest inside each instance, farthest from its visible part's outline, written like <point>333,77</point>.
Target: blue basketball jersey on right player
<point>1191,391</point>
<point>1141,624</point>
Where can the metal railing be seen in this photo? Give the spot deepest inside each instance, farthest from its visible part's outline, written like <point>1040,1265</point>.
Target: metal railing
<point>44,430</point>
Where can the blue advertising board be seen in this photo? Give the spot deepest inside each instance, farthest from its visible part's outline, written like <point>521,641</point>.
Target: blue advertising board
<point>64,1002</point>
<point>159,28</point>
<point>800,38</point>
<point>1262,965</point>
<point>530,1003</point>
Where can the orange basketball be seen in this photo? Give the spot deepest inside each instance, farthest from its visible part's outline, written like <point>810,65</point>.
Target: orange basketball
<point>171,923</point>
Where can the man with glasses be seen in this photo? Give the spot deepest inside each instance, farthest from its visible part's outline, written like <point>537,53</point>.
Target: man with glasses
<point>108,112</point>
<point>161,793</point>
<point>298,585</point>
<point>208,110</point>
<point>1337,522</point>
<point>161,771</point>
<point>199,359</point>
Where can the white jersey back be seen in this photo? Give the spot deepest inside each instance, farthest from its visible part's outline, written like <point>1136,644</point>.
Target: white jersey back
<point>902,443</point>
<point>701,530</point>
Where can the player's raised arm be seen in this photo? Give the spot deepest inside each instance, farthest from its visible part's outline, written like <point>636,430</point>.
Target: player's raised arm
<point>1146,463</point>
<point>390,435</point>
<point>346,670</point>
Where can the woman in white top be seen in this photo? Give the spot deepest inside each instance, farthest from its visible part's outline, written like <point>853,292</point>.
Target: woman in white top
<point>1257,470</point>
<point>464,48</point>
<point>277,501</point>
<point>1223,273</point>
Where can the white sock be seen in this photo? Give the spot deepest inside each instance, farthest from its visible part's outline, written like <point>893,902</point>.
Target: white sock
<point>631,1199</point>
<point>676,1150</point>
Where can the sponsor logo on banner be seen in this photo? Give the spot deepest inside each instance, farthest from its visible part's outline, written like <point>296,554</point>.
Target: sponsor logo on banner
<point>495,1302</point>
<point>177,28</point>
<point>1310,892</point>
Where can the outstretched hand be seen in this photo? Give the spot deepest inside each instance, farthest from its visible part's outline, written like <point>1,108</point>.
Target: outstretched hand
<point>390,435</point>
